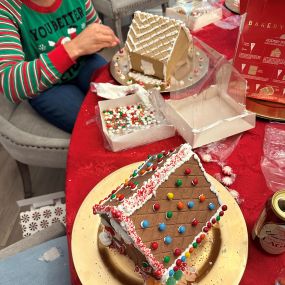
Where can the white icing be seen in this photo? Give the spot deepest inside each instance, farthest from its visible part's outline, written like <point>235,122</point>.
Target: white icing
<point>147,67</point>
<point>120,231</point>
<point>105,238</point>
<point>144,78</point>
<point>105,223</point>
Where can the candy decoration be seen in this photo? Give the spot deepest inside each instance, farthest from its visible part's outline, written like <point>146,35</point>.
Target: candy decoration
<point>154,245</point>
<point>221,213</point>
<point>183,258</point>
<point>156,207</point>
<point>181,229</point>
<point>180,205</point>
<point>171,280</point>
<point>187,171</point>
<point>195,244</point>
<point>175,268</point>
<point>177,275</point>
<point>227,170</point>
<point>198,240</point>
<point>213,221</point>
<point>205,229</point>
<point>169,215</point>
<point>113,196</point>
<point>157,274</point>
<point>178,182</point>
<point>116,214</point>
<point>211,206</point>
<point>142,172</point>
<point>171,272</point>
<point>160,155</point>
<point>195,222</point>
<point>224,207</point>
<point>178,262</point>
<point>227,181</point>
<point>170,196</point>
<point>154,167</point>
<point>206,157</point>
<point>149,164</point>
<point>166,259</point>
<point>121,197</point>
<point>202,236</point>
<point>145,224</point>
<point>135,173</point>
<point>190,204</point>
<point>218,218</point>
<point>202,198</point>
<point>177,251</point>
<point>195,181</point>
<point>145,264</point>
<point>167,240</point>
<point>162,227</point>
<point>191,249</point>
<point>209,225</point>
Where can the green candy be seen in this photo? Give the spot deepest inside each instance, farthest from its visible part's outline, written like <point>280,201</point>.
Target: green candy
<point>169,214</point>
<point>178,182</point>
<point>171,281</point>
<point>218,218</point>
<point>113,196</point>
<point>145,264</point>
<point>178,274</point>
<point>166,259</point>
<point>195,244</point>
<point>136,183</point>
<point>160,155</point>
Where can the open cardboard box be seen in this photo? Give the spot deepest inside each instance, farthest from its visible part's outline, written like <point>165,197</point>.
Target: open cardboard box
<point>197,22</point>
<point>207,117</point>
<point>137,137</point>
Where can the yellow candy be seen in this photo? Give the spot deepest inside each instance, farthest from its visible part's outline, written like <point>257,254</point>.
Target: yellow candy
<point>170,196</point>
<point>187,254</point>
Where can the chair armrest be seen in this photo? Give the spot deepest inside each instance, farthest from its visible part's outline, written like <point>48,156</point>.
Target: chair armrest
<point>54,231</point>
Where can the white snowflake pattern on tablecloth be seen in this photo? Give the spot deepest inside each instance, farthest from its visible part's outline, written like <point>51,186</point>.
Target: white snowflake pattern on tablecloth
<point>36,216</point>
<point>44,224</point>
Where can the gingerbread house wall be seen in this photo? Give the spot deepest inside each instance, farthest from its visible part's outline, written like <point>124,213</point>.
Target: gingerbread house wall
<point>179,53</point>
<point>136,63</point>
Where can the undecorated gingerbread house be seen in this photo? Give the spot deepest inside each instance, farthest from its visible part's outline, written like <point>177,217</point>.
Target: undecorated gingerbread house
<point>159,46</point>
<point>161,213</point>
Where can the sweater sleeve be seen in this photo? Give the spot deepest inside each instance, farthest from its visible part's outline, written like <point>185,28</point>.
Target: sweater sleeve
<point>20,79</point>
<point>91,14</point>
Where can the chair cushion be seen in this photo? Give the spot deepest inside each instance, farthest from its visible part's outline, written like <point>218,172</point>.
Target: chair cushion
<point>25,268</point>
<point>26,119</point>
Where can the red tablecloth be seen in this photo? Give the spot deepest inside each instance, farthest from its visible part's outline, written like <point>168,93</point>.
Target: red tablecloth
<point>89,162</point>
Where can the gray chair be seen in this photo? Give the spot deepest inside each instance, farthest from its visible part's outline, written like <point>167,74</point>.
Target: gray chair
<point>31,140</point>
<point>117,9</point>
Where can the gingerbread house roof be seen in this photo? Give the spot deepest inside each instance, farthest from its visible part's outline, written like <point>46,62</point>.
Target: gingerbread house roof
<point>154,36</point>
<point>165,208</point>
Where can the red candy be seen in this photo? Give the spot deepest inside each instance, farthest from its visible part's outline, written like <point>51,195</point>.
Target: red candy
<point>195,181</point>
<point>205,229</point>
<point>175,268</point>
<point>221,213</point>
<point>209,225</point>
<point>178,262</point>
<point>154,167</point>
<point>198,240</point>
<point>195,222</point>
<point>157,273</point>
<point>180,205</point>
<point>177,252</point>
<point>156,207</point>
<point>154,245</point>
<point>214,221</point>
<point>121,197</point>
<point>187,171</point>
<point>202,236</point>
<point>224,207</point>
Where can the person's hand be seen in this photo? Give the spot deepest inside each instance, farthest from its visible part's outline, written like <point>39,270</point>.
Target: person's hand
<point>94,38</point>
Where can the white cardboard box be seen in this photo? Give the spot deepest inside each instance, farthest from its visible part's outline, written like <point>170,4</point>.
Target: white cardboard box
<point>195,23</point>
<point>209,116</point>
<point>138,137</point>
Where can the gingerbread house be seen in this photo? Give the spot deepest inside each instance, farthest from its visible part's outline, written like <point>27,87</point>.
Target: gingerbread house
<point>159,46</point>
<point>161,213</point>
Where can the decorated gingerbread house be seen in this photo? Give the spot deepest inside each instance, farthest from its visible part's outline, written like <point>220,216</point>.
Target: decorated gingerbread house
<point>161,214</point>
<point>159,46</point>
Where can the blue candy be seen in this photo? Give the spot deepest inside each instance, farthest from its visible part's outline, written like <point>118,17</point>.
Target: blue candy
<point>211,206</point>
<point>145,224</point>
<point>171,272</point>
<point>181,229</point>
<point>167,240</point>
<point>190,204</point>
<point>183,258</point>
<point>162,227</point>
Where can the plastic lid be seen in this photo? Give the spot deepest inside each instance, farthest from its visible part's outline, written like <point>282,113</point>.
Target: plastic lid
<point>278,204</point>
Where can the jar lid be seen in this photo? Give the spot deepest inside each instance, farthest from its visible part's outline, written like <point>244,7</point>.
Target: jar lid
<point>278,204</point>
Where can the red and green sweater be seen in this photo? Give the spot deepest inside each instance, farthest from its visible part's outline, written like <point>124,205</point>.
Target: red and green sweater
<point>32,57</point>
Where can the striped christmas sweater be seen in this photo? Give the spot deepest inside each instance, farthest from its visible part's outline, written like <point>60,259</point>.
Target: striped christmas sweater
<point>32,55</point>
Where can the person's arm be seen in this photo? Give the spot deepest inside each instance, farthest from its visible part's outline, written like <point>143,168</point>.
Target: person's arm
<point>20,79</point>
<point>91,14</point>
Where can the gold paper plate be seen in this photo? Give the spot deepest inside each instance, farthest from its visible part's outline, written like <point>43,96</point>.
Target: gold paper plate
<point>266,109</point>
<point>221,258</point>
<point>191,79</point>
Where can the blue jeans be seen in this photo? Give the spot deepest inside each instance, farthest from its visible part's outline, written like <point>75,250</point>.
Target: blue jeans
<point>60,104</point>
